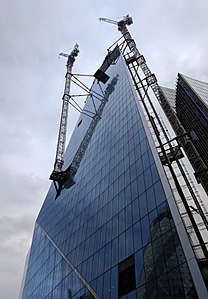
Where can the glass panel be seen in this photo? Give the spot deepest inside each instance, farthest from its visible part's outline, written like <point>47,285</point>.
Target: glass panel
<point>145,230</point>
<point>139,266</point>
<point>137,236</point>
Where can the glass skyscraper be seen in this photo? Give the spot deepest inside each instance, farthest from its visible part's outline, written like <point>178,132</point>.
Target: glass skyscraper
<point>117,232</point>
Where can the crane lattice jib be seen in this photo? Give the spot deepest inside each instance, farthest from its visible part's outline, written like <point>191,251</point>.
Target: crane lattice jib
<point>59,161</point>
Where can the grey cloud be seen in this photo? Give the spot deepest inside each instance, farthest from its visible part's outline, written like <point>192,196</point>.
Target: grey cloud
<point>14,241</point>
<point>10,226</point>
<point>21,197</point>
<point>21,191</point>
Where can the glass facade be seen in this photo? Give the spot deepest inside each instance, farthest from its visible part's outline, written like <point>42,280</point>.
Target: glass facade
<point>112,234</point>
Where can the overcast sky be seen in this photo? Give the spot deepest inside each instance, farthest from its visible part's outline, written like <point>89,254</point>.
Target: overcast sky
<point>173,37</point>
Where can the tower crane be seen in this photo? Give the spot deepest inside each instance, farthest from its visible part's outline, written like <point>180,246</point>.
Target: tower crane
<point>122,27</point>
<point>65,178</point>
<point>58,175</point>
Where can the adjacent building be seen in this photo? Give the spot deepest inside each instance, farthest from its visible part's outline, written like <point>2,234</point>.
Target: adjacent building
<point>189,104</point>
<point>192,110</point>
<point>117,232</point>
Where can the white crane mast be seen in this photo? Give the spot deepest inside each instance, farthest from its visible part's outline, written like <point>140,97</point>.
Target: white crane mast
<point>59,161</point>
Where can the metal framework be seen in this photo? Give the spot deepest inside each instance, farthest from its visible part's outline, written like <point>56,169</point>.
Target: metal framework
<point>191,208</point>
<point>183,137</point>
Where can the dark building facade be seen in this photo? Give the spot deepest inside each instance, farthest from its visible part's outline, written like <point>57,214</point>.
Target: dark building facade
<point>192,110</point>
<point>117,232</point>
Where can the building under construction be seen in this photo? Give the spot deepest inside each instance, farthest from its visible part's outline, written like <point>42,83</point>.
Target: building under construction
<point>122,218</point>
